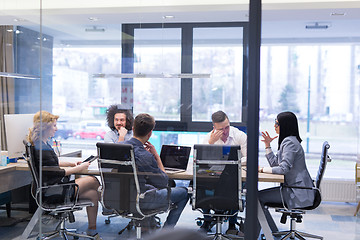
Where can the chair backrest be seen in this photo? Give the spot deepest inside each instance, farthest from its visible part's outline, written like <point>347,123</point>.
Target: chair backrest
<point>217,177</point>
<point>117,174</point>
<point>121,182</point>
<point>324,159</point>
<point>29,157</point>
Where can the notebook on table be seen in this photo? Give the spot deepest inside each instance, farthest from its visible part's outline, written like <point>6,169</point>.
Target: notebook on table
<point>175,158</point>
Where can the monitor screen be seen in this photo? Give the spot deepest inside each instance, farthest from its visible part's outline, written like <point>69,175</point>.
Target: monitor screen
<point>16,129</point>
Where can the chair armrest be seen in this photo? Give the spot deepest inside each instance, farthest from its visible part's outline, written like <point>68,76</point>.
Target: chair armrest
<point>300,187</point>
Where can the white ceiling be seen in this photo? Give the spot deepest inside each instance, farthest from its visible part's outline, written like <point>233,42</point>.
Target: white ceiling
<point>281,19</point>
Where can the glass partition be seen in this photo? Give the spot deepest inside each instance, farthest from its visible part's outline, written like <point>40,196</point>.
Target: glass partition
<point>74,63</point>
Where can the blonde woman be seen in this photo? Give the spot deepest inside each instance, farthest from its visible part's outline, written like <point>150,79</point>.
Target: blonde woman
<point>44,128</point>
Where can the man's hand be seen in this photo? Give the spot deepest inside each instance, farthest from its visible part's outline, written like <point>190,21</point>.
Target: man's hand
<point>150,148</point>
<point>215,135</point>
<point>122,132</point>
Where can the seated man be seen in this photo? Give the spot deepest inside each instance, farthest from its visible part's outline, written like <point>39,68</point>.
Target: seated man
<point>148,161</point>
<point>224,134</point>
<point>120,122</point>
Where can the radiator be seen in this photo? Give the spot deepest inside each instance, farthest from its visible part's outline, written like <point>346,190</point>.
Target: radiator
<point>338,190</point>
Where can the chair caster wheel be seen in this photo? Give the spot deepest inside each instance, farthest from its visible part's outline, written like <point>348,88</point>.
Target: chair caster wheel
<point>199,223</point>
<point>107,221</point>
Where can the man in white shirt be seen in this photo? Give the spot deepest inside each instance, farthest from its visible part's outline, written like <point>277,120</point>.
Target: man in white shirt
<point>224,134</point>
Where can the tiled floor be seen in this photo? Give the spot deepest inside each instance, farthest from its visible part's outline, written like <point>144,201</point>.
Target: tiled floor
<point>330,220</point>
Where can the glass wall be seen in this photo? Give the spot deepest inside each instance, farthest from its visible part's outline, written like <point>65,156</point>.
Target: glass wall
<point>73,65</point>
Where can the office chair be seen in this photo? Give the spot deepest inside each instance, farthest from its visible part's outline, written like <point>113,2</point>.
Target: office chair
<point>56,200</point>
<point>217,183</point>
<point>120,190</point>
<point>296,214</point>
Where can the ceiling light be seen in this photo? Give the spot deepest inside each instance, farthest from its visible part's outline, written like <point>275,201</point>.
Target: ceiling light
<point>337,14</point>
<point>168,17</point>
<point>317,26</point>
<point>159,75</point>
<point>94,29</point>
<point>19,20</point>
<point>94,19</point>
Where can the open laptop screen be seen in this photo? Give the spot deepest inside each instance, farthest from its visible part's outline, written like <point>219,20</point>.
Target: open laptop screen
<point>175,156</point>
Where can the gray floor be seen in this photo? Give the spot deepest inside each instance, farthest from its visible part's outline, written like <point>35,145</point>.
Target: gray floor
<point>330,220</point>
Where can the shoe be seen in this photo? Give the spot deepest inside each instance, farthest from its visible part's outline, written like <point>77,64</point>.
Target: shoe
<point>234,231</point>
<point>91,232</point>
<point>206,227</point>
<point>107,212</point>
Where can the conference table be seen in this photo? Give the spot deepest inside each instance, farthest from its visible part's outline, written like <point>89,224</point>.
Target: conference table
<point>22,166</point>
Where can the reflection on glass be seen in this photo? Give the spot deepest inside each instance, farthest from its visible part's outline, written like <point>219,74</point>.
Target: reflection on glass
<point>157,51</point>
<point>218,51</point>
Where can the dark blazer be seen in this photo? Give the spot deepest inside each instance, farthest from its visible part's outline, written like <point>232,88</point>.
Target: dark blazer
<point>290,161</point>
<point>52,173</point>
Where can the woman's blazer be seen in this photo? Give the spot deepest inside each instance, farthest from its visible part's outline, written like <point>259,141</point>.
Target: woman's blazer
<point>290,161</point>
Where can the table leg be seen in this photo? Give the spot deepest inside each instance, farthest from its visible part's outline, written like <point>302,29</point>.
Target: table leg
<point>31,224</point>
<point>264,224</point>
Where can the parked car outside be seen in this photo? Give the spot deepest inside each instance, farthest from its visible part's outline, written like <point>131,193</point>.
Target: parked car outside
<point>90,133</point>
<point>91,129</point>
<point>63,132</point>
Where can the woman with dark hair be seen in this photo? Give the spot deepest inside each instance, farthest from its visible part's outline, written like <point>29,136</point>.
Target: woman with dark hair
<point>120,122</point>
<point>289,161</point>
<point>44,128</point>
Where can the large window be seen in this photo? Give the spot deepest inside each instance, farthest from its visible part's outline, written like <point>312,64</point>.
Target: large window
<point>186,103</point>
<point>218,51</point>
<point>157,51</point>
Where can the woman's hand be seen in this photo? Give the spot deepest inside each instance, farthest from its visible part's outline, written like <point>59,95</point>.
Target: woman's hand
<point>267,139</point>
<point>83,166</point>
<point>79,168</point>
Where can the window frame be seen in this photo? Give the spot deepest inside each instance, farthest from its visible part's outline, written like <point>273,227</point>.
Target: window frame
<point>186,122</point>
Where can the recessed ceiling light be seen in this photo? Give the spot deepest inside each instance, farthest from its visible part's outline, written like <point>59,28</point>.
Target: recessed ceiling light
<point>19,20</point>
<point>95,29</point>
<point>317,25</point>
<point>94,19</point>
<point>337,14</point>
<point>168,17</point>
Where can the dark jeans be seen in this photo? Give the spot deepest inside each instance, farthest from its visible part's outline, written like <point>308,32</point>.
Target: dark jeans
<point>269,195</point>
<point>179,196</point>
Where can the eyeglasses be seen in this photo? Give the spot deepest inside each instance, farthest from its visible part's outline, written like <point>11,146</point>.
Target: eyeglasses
<point>276,123</point>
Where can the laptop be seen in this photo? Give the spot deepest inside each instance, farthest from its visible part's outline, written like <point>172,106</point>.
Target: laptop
<point>175,158</point>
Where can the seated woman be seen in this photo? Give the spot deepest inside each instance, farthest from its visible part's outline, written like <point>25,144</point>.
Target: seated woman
<point>38,136</point>
<point>289,161</point>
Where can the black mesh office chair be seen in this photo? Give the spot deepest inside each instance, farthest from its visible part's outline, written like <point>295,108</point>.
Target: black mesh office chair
<point>56,200</point>
<point>217,183</point>
<point>296,214</point>
<point>121,184</point>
